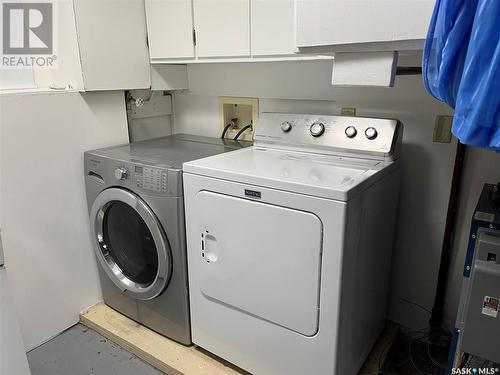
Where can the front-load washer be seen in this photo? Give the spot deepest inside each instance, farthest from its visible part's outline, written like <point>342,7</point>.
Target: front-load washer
<point>135,201</point>
<point>289,243</point>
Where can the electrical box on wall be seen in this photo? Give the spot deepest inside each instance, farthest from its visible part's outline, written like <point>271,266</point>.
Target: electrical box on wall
<point>236,114</point>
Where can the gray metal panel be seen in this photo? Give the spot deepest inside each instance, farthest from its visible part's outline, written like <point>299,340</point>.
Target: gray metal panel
<point>481,328</point>
<point>171,151</point>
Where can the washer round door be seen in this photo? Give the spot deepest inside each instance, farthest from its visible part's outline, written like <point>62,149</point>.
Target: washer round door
<point>130,243</point>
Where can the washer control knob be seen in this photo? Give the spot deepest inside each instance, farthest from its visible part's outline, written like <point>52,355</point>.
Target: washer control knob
<point>121,173</point>
<point>371,133</point>
<point>317,129</point>
<point>286,126</point>
<point>350,132</point>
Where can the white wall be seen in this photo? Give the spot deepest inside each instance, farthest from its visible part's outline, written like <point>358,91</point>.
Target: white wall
<point>13,359</point>
<point>305,87</point>
<point>51,267</point>
<point>480,166</point>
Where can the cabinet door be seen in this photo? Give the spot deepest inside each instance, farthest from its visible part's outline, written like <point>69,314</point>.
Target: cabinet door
<point>222,27</point>
<point>170,28</point>
<point>333,22</point>
<point>112,42</point>
<point>273,27</point>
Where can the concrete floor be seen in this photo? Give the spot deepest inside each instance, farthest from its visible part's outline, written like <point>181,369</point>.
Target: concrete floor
<point>82,351</point>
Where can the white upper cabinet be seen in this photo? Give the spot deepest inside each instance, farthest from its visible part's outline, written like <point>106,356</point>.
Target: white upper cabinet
<point>170,28</point>
<point>183,31</point>
<point>273,27</point>
<point>338,22</point>
<point>113,45</point>
<point>222,28</point>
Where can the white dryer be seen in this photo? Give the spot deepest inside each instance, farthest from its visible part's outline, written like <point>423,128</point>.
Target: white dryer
<point>289,243</point>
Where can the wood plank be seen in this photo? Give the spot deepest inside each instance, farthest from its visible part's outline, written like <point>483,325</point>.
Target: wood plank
<point>162,353</point>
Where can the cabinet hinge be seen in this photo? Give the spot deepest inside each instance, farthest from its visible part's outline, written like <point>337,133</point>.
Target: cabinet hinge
<point>194,37</point>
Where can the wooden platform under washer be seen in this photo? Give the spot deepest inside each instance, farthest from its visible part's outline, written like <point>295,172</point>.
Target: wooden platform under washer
<point>174,358</point>
<point>162,353</point>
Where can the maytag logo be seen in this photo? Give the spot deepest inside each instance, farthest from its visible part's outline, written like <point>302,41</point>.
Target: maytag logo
<point>253,193</point>
<point>28,35</point>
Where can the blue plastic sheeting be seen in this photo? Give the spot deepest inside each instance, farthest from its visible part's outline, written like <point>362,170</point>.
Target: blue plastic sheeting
<point>460,67</point>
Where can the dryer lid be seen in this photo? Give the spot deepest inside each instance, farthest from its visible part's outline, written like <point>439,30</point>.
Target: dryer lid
<point>328,176</point>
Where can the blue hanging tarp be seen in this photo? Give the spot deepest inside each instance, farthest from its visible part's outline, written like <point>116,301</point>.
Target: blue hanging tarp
<point>460,67</point>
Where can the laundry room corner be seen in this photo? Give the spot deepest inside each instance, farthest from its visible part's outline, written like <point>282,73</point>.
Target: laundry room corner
<point>235,187</point>
<point>51,267</point>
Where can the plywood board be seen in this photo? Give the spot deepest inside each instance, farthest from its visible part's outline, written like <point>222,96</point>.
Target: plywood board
<point>162,353</point>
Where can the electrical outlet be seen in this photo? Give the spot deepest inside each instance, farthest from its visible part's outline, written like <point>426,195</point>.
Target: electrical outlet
<point>239,112</point>
<point>348,111</point>
<point>442,129</point>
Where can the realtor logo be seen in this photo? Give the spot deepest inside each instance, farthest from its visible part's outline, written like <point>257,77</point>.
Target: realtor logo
<point>28,34</point>
<point>27,29</point>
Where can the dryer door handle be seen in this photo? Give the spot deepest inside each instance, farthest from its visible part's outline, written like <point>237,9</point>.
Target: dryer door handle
<point>209,247</point>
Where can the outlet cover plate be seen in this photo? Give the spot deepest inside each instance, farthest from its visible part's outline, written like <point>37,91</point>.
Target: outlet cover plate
<point>246,110</point>
<point>442,129</point>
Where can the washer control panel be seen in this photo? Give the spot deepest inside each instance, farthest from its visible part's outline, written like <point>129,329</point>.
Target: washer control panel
<point>317,129</point>
<point>148,178</point>
<point>374,137</point>
<point>286,126</point>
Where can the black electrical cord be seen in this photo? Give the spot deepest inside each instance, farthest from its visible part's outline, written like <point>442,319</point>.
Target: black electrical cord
<point>243,129</point>
<point>494,197</point>
<point>226,128</point>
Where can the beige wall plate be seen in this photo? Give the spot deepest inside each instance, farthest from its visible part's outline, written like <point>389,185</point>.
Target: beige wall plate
<point>442,129</point>
<point>240,112</point>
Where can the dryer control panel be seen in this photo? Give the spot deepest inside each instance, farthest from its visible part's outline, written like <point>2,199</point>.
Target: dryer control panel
<point>341,135</point>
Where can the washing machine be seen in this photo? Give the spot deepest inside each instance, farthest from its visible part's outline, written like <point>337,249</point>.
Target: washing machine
<point>136,206</point>
<point>289,243</point>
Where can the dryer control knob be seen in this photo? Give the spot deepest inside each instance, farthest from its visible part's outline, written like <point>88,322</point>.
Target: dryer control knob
<point>371,133</point>
<point>286,126</point>
<point>317,129</point>
<point>121,173</point>
<point>350,132</point>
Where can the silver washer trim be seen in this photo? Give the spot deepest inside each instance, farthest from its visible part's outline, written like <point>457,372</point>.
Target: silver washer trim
<point>136,290</point>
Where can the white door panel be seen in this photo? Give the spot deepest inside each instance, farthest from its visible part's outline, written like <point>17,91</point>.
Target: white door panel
<point>331,22</point>
<point>273,27</point>
<point>248,341</point>
<point>261,259</point>
<point>170,28</point>
<point>222,27</point>
<point>113,57</point>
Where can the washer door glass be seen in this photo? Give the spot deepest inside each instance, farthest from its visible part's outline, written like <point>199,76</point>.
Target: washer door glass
<point>130,243</point>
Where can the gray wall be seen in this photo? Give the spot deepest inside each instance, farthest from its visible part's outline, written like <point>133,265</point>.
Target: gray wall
<point>44,218</point>
<point>305,87</point>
